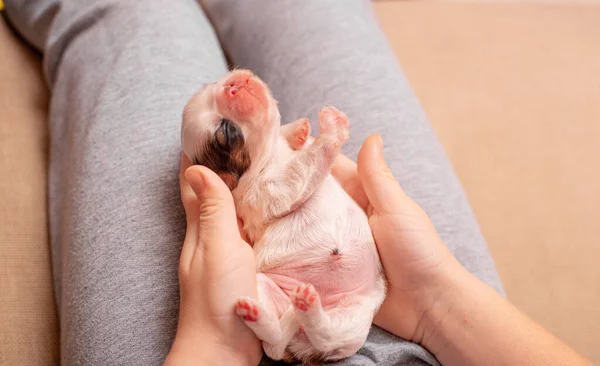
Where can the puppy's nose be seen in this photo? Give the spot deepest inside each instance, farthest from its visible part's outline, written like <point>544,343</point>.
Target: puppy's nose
<point>231,90</point>
<point>242,95</point>
<point>237,82</point>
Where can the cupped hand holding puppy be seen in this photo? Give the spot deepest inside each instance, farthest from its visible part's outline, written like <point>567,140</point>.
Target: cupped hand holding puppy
<point>416,261</point>
<point>432,300</point>
<point>216,268</point>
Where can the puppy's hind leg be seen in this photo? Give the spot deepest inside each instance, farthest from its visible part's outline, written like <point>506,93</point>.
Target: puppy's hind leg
<point>262,315</point>
<point>259,318</point>
<point>337,333</point>
<point>289,328</point>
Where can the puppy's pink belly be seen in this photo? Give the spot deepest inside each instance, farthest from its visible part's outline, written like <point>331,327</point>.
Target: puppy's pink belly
<point>332,284</point>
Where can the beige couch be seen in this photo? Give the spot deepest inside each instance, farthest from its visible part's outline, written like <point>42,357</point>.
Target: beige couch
<point>513,91</point>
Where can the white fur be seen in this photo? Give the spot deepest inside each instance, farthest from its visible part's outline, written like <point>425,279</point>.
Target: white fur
<point>297,216</point>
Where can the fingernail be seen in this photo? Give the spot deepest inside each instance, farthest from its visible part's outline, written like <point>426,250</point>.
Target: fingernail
<point>200,182</point>
<point>196,180</point>
<point>379,142</point>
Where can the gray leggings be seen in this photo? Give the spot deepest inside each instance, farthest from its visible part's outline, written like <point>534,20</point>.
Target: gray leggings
<point>121,71</point>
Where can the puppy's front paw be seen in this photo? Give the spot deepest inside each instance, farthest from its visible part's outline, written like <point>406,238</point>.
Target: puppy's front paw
<point>334,125</point>
<point>247,309</point>
<point>300,133</point>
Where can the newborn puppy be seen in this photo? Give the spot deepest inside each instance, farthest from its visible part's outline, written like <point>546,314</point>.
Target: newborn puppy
<point>320,280</point>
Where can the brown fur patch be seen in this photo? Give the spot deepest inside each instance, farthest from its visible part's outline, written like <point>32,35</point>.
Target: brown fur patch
<point>316,358</point>
<point>225,154</point>
<point>289,358</point>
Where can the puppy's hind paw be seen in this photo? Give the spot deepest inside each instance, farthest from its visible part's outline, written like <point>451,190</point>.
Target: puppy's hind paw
<point>247,309</point>
<point>305,297</point>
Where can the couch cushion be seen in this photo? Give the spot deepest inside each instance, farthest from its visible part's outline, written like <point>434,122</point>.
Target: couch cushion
<point>513,91</point>
<point>28,319</point>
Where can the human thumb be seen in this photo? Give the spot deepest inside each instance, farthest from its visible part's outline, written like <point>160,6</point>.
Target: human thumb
<point>216,214</point>
<point>385,194</point>
<point>383,190</point>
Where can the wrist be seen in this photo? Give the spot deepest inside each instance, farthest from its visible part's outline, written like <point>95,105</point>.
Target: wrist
<point>452,311</point>
<point>434,305</point>
<point>188,350</point>
<point>412,313</point>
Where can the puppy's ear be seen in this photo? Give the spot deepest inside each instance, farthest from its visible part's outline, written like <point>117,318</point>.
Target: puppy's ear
<point>229,136</point>
<point>226,154</point>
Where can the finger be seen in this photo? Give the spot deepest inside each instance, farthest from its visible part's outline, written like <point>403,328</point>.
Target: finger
<point>381,188</point>
<point>345,172</point>
<point>217,220</point>
<point>344,169</point>
<point>191,206</point>
<point>188,197</point>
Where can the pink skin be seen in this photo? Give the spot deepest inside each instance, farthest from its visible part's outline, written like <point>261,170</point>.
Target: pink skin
<point>320,281</point>
<point>296,133</point>
<point>243,96</point>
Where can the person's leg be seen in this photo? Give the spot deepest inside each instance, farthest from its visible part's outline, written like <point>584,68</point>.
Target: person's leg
<point>313,53</point>
<point>120,73</point>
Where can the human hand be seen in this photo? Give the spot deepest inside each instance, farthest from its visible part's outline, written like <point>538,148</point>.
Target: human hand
<point>216,268</point>
<point>433,300</point>
<point>418,265</point>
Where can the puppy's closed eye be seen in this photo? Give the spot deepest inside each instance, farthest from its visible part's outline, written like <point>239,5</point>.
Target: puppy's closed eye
<point>225,154</point>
